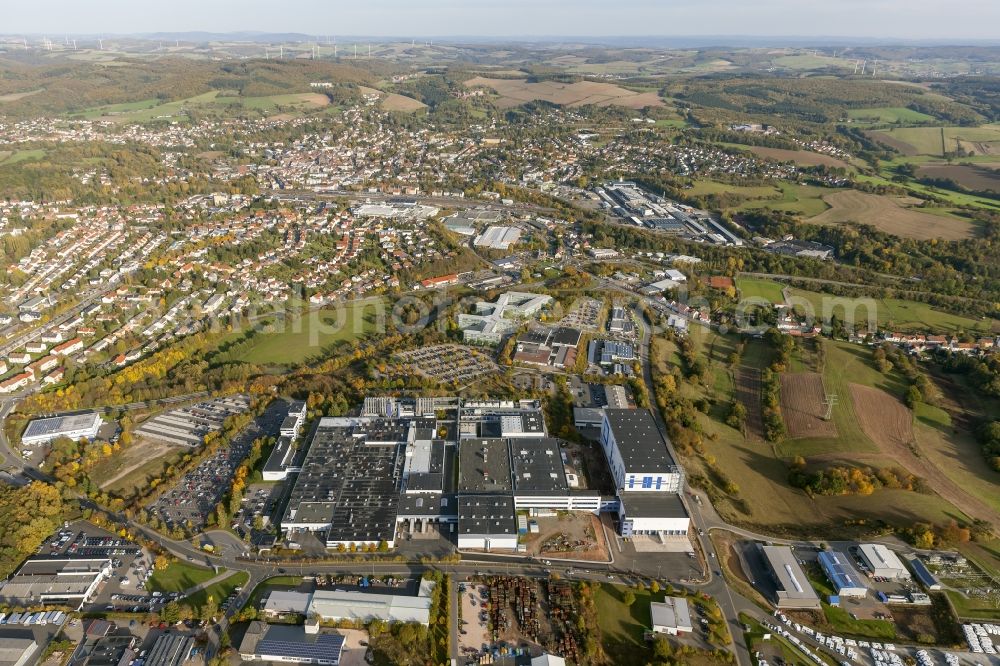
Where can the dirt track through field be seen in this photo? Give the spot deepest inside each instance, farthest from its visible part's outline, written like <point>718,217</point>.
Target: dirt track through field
<point>803,405</point>
<point>137,455</point>
<point>889,424</point>
<point>748,392</point>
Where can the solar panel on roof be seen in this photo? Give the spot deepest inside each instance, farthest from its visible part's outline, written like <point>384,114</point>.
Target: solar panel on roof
<point>327,647</point>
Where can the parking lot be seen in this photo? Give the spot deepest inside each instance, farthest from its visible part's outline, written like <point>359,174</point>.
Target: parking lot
<point>455,364</point>
<point>532,381</point>
<point>194,497</point>
<point>259,501</point>
<point>584,314</point>
<point>125,589</point>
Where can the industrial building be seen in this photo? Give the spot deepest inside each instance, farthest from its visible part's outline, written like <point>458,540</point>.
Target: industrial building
<point>501,418</point>
<point>18,647</point>
<point>846,580</point>
<point>924,575</point>
<point>284,459</point>
<point>367,606</point>
<point>285,602</point>
<point>792,587</point>
<point>652,513</point>
<point>672,617</point>
<point>55,581</point>
<point>487,522</point>
<point>548,347</point>
<point>291,644</point>
<point>293,422</point>
<point>396,211</point>
<point>170,650</point>
<point>648,480</point>
<point>637,453</point>
<point>74,426</point>
<point>492,321</point>
<point>882,562</point>
<point>350,481</point>
<point>632,203</point>
<point>498,238</point>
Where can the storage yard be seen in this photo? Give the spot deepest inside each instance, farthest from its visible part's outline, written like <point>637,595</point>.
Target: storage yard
<point>189,425</point>
<point>519,618</point>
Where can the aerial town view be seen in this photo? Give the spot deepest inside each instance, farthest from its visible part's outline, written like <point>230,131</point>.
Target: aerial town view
<point>443,333</point>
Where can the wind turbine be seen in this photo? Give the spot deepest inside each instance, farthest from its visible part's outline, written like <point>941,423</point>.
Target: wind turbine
<point>863,66</point>
<point>874,67</point>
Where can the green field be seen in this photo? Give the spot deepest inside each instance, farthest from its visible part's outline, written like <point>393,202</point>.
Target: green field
<point>291,342</point>
<point>622,626</point>
<point>843,624</point>
<point>890,114</point>
<point>7,158</point>
<point>893,313</point>
<point>214,101</point>
<point>810,61</point>
<point>704,187</point>
<point>844,364</point>
<point>218,591</point>
<point>179,576</point>
<point>806,200</point>
<point>275,583</point>
<point>936,140</point>
<point>766,501</point>
<point>760,289</point>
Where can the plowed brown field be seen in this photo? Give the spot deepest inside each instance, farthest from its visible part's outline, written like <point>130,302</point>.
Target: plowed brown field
<point>803,406</point>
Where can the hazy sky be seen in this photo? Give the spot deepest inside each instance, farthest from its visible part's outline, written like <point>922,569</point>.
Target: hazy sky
<point>911,19</point>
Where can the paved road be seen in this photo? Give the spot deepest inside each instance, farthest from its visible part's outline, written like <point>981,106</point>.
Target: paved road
<point>715,584</point>
<point>26,336</point>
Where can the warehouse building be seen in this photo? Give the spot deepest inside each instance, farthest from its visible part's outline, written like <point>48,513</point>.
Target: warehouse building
<point>792,588</point>
<point>637,453</point>
<point>366,606</point>
<point>170,650</point>
<point>648,481</point>
<point>291,644</point>
<point>55,581</point>
<point>846,580</point>
<point>286,602</point>
<point>672,617</point>
<point>74,426</point>
<point>652,513</point>
<point>487,522</point>
<point>498,238</point>
<point>350,481</point>
<point>18,647</point>
<point>882,562</point>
